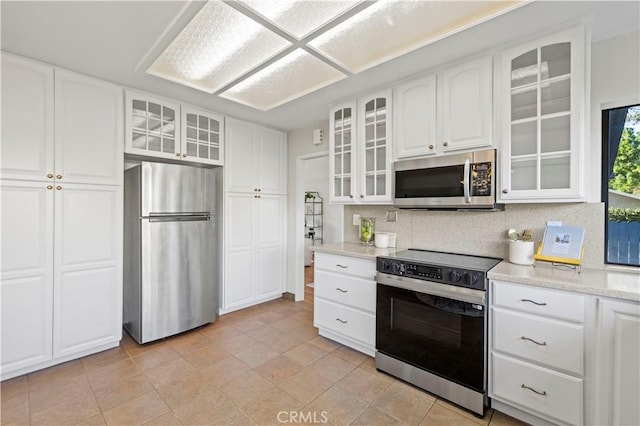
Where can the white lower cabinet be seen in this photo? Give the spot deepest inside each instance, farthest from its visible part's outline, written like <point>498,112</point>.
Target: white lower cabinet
<point>537,358</point>
<point>254,241</point>
<point>345,300</point>
<point>56,308</point>
<point>617,393</point>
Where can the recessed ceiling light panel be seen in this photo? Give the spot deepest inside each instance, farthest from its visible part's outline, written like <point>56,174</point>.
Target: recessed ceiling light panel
<point>289,78</point>
<point>300,18</point>
<point>390,28</point>
<point>216,47</point>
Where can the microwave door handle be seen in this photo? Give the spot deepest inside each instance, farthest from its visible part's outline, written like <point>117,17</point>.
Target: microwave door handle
<point>467,181</point>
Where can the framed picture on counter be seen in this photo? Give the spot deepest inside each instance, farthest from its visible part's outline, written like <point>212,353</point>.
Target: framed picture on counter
<point>564,242</point>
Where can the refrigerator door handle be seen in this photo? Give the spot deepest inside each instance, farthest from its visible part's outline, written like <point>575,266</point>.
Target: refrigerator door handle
<point>179,217</point>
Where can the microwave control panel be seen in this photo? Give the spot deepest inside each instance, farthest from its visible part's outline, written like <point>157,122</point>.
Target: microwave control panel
<point>481,175</point>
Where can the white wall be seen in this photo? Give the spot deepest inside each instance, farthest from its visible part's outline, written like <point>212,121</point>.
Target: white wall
<point>300,142</point>
<point>615,82</point>
<point>316,178</point>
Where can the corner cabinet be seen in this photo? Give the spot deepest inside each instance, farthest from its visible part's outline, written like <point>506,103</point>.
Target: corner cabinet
<point>254,215</point>
<point>61,192</point>
<point>447,112</point>
<point>361,150</point>
<point>165,129</point>
<point>543,98</point>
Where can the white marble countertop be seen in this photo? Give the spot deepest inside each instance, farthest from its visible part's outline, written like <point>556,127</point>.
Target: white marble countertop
<point>355,250</point>
<point>598,282</point>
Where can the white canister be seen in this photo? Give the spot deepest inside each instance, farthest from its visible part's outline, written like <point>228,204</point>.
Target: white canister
<point>381,239</point>
<point>521,252</point>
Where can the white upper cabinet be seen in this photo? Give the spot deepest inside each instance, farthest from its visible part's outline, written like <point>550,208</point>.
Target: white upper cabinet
<point>374,148</point>
<point>361,150</point>
<point>202,136</point>
<point>74,136</point>
<point>415,117</point>
<point>342,141</point>
<point>88,130</point>
<point>27,119</point>
<point>450,111</point>
<point>256,159</point>
<point>163,128</point>
<point>543,102</point>
<point>466,96</point>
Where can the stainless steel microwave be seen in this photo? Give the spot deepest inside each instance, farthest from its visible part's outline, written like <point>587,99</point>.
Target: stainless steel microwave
<point>456,181</point>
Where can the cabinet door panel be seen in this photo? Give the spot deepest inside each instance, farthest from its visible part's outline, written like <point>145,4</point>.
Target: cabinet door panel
<point>467,105</point>
<point>202,136</point>
<point>240,236</point>
<point>342,153</point>
<point>270,270</point>
<point>618,390</point>
<point>271,211</point>
<point>27,119</point>
<point>272,161</point>
<point>241,157</point>
<point>88,268</point>
<point>26,276</point>
<point>88,135</point>
<point>415,118</point>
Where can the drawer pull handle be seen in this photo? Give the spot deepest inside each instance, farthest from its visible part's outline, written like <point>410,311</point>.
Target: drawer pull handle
<point>534,302</point>
<point>344,322</point>
<point>341,266</point>
<point>543,393</point>
<point>341,290</point>
<point>531,340</point>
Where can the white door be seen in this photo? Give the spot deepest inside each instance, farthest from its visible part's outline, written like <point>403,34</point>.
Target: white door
<point>88,267</point>
<point>466,118</point>
<point>342,153</point>
<point>89,130</point>
<point>270,245</point>
<point>618,388</point>
<point>241,157</point>
<point>272,160</point>
<point>240,236</point>
<point>27,120</point>
<point>414,118</point>
<point>26,275</point>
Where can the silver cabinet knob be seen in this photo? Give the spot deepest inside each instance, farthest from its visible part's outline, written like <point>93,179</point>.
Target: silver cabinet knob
<point>58,176</point>
<point>58,187</point>
<point>184,155</point>
<point>49,186</point>
<point>178,154</point>
<point>50,175</point>
<point>445,143</point>
<point>361,196</point>
<point>430,146</point>
<point>505,191</point>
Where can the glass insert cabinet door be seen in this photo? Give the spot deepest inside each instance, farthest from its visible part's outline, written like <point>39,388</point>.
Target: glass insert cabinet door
<point>374,116</point>
<point>202,136</point>
<point>152,126</point>
<point>543,86</point>
<point>342,141</point>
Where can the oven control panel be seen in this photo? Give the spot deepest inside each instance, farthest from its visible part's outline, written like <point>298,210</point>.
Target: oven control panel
<point>441,274</point>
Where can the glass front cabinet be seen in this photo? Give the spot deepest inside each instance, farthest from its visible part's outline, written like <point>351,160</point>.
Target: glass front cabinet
<point>360,146</point>
<point>543,97</point>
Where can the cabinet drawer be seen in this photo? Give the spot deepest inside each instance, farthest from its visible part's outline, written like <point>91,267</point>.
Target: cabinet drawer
<point>514,381</point>
<point>558,304</point>
<point>353,291</point>
<point>344,320</point>
<point>559,344</point>
<point>346,265</point>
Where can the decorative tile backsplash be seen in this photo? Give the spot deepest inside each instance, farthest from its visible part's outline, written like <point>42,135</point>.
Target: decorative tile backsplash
<point>483,233</point>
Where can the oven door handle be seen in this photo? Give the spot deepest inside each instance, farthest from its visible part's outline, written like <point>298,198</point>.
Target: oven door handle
<point>460,294</point>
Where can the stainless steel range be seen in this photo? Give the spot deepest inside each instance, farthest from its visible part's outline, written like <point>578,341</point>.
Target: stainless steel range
<point>431,323</point>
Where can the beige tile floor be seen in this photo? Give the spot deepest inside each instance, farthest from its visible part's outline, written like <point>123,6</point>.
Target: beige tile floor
<point>262,365</point>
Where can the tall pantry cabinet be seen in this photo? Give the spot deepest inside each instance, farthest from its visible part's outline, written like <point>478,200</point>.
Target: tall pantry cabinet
<point>61,187</point>
<point>255,197</point>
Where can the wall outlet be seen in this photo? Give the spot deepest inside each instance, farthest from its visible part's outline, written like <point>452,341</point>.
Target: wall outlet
<point>356,219</point>
<point>392,215</point>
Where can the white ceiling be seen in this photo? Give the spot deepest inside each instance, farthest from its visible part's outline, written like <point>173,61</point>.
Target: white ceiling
<point>117,41</point>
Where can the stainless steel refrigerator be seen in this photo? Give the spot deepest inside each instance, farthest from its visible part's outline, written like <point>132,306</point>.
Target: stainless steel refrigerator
<point>170,274</point>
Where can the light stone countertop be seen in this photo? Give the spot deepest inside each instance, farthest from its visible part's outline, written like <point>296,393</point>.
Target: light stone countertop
<point>598,282</point>
<point>355,250</point>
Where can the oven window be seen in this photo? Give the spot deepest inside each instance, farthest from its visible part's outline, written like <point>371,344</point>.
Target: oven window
<point>430,182</point>
<point>440,335</point>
